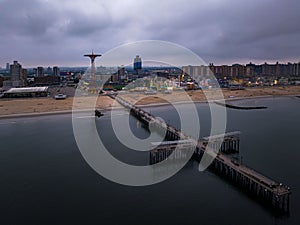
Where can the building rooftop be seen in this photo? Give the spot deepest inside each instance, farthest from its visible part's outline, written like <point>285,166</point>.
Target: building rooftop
<point>26,90</point>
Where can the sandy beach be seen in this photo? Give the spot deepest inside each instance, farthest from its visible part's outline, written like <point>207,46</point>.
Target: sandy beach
<point>49,105</point>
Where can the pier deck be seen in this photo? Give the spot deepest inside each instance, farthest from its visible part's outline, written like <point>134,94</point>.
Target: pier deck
<point>263,188</point>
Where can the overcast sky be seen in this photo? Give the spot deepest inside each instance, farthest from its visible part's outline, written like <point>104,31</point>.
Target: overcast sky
<point>59,32</point>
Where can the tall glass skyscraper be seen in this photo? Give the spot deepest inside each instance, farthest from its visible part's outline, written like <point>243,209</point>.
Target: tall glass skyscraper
<point>137,64</point>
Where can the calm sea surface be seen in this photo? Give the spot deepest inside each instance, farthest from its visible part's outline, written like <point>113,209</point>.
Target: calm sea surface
<point>45,180</point>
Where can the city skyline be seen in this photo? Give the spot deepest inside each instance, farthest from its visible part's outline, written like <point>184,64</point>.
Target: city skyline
<point>41,32</point>
<point>149,64</point>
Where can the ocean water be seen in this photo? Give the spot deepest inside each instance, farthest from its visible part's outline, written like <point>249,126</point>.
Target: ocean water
<point>45,180</point>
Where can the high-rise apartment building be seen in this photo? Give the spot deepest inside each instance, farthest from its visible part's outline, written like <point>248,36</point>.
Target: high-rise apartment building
<point>297,69</point>
<point>238,70</point>
<point>121,73</point>
<point>18,76</point>
<point>189,70</point>
<point>15,71</point>
<point>24,77</point>
<point>56,71</point>
<point>40,72</point>
<point>250,70</point>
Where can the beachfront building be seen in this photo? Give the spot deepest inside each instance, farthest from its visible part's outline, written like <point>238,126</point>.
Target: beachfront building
<point>26,92</point>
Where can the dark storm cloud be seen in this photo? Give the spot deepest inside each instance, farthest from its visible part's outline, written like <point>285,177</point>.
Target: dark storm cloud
<point>239,29</point>
<point>59,32</point>
<point>28,18</point>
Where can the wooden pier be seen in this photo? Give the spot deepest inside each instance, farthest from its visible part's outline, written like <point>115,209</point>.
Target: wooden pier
<point>264,189</point>
<point>165,149</point>
<point>226,143</point>
<point>269,192</point>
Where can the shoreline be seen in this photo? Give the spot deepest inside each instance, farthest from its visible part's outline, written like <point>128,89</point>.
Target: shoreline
<point>29,107</point>
<point>62,112</point>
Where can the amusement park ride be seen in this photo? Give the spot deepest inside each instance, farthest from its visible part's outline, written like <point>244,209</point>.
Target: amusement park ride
<point>93,84</point>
